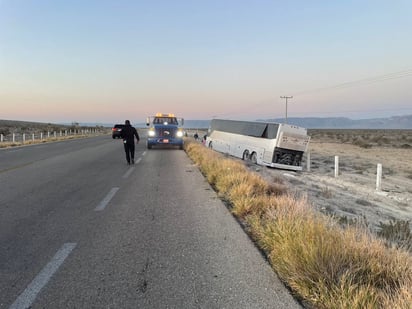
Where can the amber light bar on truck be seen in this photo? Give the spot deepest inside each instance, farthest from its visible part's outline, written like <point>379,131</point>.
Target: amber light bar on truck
<point>164,115</point>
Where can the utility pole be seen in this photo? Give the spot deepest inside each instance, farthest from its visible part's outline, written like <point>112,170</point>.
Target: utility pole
<point>286,97</point>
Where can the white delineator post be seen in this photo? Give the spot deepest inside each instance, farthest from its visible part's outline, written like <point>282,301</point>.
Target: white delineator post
<point>1,138</point>
<point>379,177</point>
<point>336,166</point>
<point>308,161</point>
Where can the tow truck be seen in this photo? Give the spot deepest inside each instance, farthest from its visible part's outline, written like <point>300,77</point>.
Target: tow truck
<point>165,130</point>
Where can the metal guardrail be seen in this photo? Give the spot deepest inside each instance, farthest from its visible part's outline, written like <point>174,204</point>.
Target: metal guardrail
<point>44,136</point>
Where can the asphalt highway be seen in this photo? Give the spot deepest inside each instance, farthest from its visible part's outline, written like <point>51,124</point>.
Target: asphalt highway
<point>79,228</point>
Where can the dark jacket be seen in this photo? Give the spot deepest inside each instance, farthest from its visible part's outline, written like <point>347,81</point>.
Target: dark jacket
<point>128,133</point>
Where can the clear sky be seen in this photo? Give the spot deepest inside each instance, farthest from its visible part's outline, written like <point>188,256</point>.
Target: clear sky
<point>105,61</point>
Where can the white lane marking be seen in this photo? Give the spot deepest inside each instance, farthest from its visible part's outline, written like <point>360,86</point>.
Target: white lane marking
<point>129,171</point>
<point>107,199</point>
<point>144,153</point>
<point>28,296</point>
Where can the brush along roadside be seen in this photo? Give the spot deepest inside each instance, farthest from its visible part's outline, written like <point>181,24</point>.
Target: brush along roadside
<point>325,265</point>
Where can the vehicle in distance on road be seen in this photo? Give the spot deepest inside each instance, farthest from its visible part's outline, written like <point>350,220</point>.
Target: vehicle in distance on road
<point>164,130</point>
<point>117,130</point>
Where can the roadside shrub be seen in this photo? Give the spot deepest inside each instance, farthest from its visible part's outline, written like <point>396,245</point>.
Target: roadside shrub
<point>397,233</point>
<point>363,202</point>
<point>326,192</point>
<point>276,189</point>
<point>5,131</point>
<point>345,221</point>
<point>361,143</point>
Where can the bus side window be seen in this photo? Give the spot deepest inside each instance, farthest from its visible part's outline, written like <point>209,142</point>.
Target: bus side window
<point>265,132</point>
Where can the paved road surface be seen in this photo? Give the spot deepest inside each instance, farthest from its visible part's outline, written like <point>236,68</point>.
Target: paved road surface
<point>81,229</point>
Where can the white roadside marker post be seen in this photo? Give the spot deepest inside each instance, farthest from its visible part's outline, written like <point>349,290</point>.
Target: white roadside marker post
<point>308,161</point>
<point>336,166</point>
<point>379,177</point>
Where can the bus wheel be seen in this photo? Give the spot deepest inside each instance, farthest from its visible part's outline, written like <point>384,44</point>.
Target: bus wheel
<point>245,156</point>
<point>253,158</point>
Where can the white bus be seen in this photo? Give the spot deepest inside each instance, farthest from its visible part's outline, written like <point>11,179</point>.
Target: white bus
<point>264,143</point>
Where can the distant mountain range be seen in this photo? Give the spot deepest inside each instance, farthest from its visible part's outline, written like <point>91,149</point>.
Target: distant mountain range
<point>395,122</point>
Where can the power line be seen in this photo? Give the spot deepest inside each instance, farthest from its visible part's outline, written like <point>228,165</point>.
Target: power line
<point>370,110</point>
<point>360,82</point>
<point>365,81</point>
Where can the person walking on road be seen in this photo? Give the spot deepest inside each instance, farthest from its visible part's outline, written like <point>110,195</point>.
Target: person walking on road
<point>128,134</point>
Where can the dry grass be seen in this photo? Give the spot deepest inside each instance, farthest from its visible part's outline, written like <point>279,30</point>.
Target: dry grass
<point>325,265</point>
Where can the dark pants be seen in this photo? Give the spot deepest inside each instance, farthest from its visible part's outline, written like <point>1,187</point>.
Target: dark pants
<point>129,149</point>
